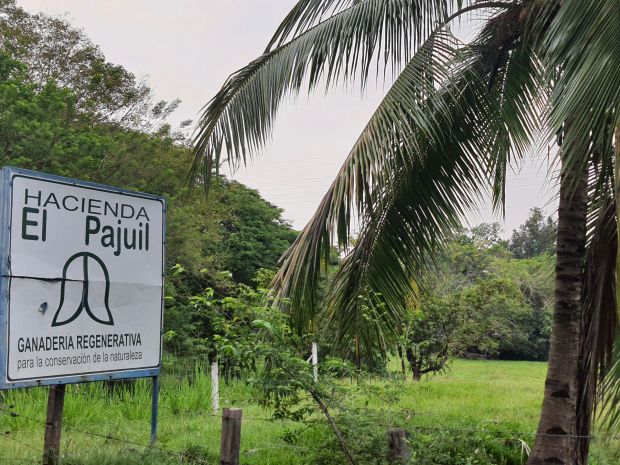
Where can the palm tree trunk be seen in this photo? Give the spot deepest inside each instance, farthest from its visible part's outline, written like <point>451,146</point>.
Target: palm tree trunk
<point>557,441</point>
<point>617,187</point>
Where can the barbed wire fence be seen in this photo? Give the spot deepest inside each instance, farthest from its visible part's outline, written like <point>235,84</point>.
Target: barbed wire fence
<point>182,455</point>
<point>116,394</point>
<point>29,451</point>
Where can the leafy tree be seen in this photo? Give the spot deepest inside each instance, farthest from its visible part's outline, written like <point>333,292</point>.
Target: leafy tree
<point>427,336</point>
<point>287,378</point>
<point>534,277</point>
<point>222,328</point>
<point>466,258</point>
<point>534,237</point>
<point>244,329</point>
<point>456,117</point>
<point>55,51</point>
<point>253,231</point>
<point>487,235</point>
<point>496,321</point>
<point>43,128</point>
<point>496,306</point>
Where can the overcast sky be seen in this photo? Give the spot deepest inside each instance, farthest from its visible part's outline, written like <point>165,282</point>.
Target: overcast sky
<point>187,48</point>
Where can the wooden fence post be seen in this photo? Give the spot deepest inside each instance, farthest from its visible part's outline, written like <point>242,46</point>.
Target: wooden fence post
<point>53,424</point>
<point>398,446</point>
<point>230,440</point>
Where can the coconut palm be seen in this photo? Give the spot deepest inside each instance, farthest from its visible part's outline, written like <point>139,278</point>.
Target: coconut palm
<point>457,116</point>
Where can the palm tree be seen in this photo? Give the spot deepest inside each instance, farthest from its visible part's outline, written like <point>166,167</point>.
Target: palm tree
<point>457,116</point>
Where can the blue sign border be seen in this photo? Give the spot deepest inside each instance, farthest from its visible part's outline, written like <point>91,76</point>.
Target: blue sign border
<point>6,178</point>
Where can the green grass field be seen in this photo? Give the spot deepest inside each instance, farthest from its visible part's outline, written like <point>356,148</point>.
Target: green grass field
<point>472,398</point>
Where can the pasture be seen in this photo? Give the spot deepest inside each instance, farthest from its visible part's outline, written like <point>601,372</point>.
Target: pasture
<point>478,412</point>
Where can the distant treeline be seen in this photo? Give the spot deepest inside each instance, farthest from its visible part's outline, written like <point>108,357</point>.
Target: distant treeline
<point>494,296</point>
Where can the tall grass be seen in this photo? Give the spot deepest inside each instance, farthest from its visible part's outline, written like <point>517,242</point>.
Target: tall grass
<point>109,423</point>
<point>188,393</point>
<point>487,397</point>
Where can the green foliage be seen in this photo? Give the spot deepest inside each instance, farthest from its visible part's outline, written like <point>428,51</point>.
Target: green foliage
<point>455,119</point>
<point>426,336</point>
<point>55,51</point>
<point>479,446</point>
<point>66,122</point>
<point>221,327</point>
<point>285,383</point>
<point>536,236</point>
<point>476,301</point>
<point>453,414</point>
<point>428,446</point>
<point>293,389</point>
<point>496,321</point>
<point>363,430</point>
<point>253,230</point>
<point>42,129</point>
<point>486,303</point>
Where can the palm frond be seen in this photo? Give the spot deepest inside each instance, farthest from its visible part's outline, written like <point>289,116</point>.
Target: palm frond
<point>599,292</point>
<point>386,140</point>
<point>343,46</point>
<point>581,50</point>
<point>601,354</point>
<point>406,228</point>
<point>305,15</point>
<point>429,161</point>
<point>609,416</point>
<point>515,81</point>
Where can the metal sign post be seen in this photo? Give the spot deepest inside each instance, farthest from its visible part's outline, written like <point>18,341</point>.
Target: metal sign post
<point>154,409</point>
<point>81,284</point>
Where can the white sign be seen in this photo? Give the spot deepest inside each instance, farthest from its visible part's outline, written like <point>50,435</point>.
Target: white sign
<point>85,280</point>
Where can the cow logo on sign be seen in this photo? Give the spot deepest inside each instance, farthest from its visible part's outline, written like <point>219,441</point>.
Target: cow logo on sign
<point>97,311</point>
